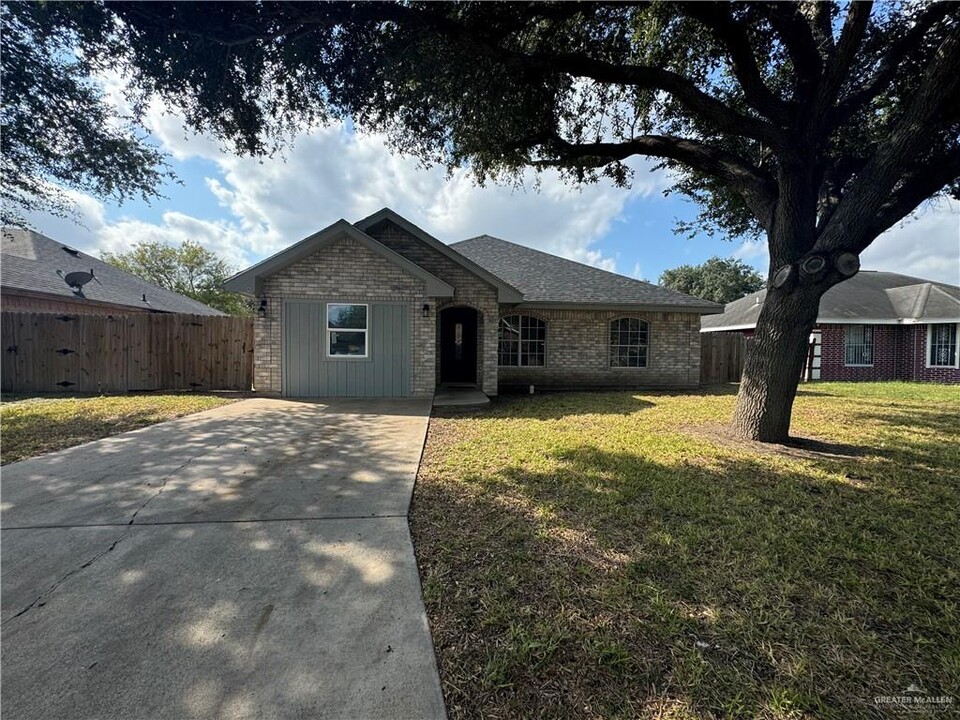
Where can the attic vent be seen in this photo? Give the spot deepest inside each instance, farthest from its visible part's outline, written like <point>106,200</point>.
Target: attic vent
<point>70,251</point>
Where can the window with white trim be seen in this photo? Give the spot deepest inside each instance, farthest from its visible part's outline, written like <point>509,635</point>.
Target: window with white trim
<point>942,345</point>
<point>629,339</point>
<point>347,330</point>
<point>523,341</point>
<point>858,345</point>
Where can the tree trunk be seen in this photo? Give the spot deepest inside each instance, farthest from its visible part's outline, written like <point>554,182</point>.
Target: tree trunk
<point>773,366</point>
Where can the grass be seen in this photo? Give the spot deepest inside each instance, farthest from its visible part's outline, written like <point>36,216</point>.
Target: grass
<point>619,555</point>
<point>37,425</point>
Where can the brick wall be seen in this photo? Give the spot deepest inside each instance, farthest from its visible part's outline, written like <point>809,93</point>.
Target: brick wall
<point>469,290</point>
<point>577,352</point>
<point>344,270</point>
<point>899,354</point>
<point>885,355</point>
<point>915,359</point>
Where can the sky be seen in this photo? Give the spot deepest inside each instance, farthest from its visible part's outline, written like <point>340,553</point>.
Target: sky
<point>247,209</point>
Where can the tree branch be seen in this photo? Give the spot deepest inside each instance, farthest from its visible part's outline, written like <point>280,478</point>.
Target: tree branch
<point>892,59</point>
<point>757,188</point>
<point>704,106</point>
<point>914,189</point>
<point>913,136</point>
<point>794,31</point>
<point>851,37</point>
<point>734,38</point>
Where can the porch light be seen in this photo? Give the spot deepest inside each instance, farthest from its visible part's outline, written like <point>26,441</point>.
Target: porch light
<point>425,310</point>
<point>262,310</point>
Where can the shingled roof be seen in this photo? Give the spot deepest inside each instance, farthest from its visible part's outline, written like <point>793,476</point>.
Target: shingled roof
<point>869,297</point>
<point>549,280</point>
<point>36,263</point>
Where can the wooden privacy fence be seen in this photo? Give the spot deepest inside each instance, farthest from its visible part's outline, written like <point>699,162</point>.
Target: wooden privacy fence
<point>721,357</point>
<point>44,352</point>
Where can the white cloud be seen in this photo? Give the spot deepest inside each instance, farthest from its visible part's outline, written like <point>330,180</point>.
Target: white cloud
<point>753,252</point>
<point>332,173</point>
<point>925,246</point>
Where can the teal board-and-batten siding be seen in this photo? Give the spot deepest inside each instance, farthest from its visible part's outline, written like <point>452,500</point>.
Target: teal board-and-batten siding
<point>307,371</point>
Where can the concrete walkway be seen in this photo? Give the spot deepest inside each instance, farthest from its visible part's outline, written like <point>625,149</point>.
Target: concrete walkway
<point>252,561</point>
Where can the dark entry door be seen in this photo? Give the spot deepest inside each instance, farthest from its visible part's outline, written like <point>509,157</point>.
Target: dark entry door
<point>458,345</point>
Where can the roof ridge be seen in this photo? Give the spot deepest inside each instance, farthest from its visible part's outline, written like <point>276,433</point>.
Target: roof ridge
<point>921,302</point>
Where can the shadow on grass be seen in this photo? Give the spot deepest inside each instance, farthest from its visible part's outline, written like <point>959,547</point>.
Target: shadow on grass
<point>561,405</point>
<point>613,585</point>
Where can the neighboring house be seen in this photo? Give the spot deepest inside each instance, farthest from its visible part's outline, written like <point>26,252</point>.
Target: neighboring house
<point>874,326</point>
<point>39,274</point>
<point>380,308</point>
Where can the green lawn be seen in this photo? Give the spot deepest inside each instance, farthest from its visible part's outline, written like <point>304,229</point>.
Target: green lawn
<point>619,555</point>
<point>37,425</point>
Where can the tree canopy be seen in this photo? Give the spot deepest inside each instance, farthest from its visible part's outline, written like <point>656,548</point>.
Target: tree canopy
<point>188,269</point>
<point>718,280</point>
<point>59,133</point>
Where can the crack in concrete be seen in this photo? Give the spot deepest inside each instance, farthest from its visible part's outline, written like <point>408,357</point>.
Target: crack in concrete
<point>163,486</point>
<point>39,601</point>
<point>163,483</point>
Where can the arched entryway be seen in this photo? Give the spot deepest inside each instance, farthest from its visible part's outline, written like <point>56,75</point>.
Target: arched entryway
<point>458,345</point>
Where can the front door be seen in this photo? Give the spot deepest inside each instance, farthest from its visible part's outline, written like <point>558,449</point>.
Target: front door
<point>458,345</point>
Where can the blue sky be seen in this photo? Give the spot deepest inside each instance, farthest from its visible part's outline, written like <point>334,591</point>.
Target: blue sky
<point>246,209</point>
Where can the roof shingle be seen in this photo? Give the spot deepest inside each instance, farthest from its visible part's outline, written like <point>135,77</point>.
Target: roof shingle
<point>30,261</point>
<point>548,279</point>
<point>870,295</point>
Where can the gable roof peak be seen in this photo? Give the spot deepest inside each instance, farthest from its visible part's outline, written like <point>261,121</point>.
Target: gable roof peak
<point>505,291</point>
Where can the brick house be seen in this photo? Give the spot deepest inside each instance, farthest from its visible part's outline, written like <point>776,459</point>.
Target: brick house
<point>874,326</point>
<point>39,274</point>
<point>379,308</point>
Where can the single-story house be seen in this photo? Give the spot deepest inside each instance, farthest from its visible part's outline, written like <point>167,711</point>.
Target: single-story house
<point>39,274</point>
<point>874,326</point>
<point>380,308</point>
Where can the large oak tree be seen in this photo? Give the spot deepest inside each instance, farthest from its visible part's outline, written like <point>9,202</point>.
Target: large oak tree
<point>818,125</point>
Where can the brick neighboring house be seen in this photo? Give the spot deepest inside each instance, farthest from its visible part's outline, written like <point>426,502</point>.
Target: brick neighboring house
<point>34,274</point>
<point>874,326</point>
<point>379,308</point>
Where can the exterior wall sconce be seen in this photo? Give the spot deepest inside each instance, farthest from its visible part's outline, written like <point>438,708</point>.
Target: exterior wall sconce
<point>425,310</point>
<point>262,310</point>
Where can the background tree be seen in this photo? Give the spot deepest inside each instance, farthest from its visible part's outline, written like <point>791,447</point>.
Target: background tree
<point>188,269</point>
<point>719,280</point>
<point>58,131</point>
<point>817,125</point>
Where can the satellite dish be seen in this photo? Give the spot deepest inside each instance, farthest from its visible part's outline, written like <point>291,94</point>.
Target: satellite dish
<point>76,280</point>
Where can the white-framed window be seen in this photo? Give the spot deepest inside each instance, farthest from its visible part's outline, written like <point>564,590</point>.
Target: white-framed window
<point>858,345</point>
<point>523,341</point>
<point>347,326</point>
<point>629,340</point>
<point>942,345</point>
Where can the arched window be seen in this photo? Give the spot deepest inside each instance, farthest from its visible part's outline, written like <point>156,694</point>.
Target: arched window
<point>629,338</point>
<point>523,341</point>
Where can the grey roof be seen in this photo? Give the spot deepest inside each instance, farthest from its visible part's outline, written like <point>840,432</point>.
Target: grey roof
<point>870,296</point>
<point>546,279</point>
<point>249,281</point>
<point>33,262</point>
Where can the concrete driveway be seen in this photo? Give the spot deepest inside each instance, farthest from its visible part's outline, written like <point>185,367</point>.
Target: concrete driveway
<point>251,561</point>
